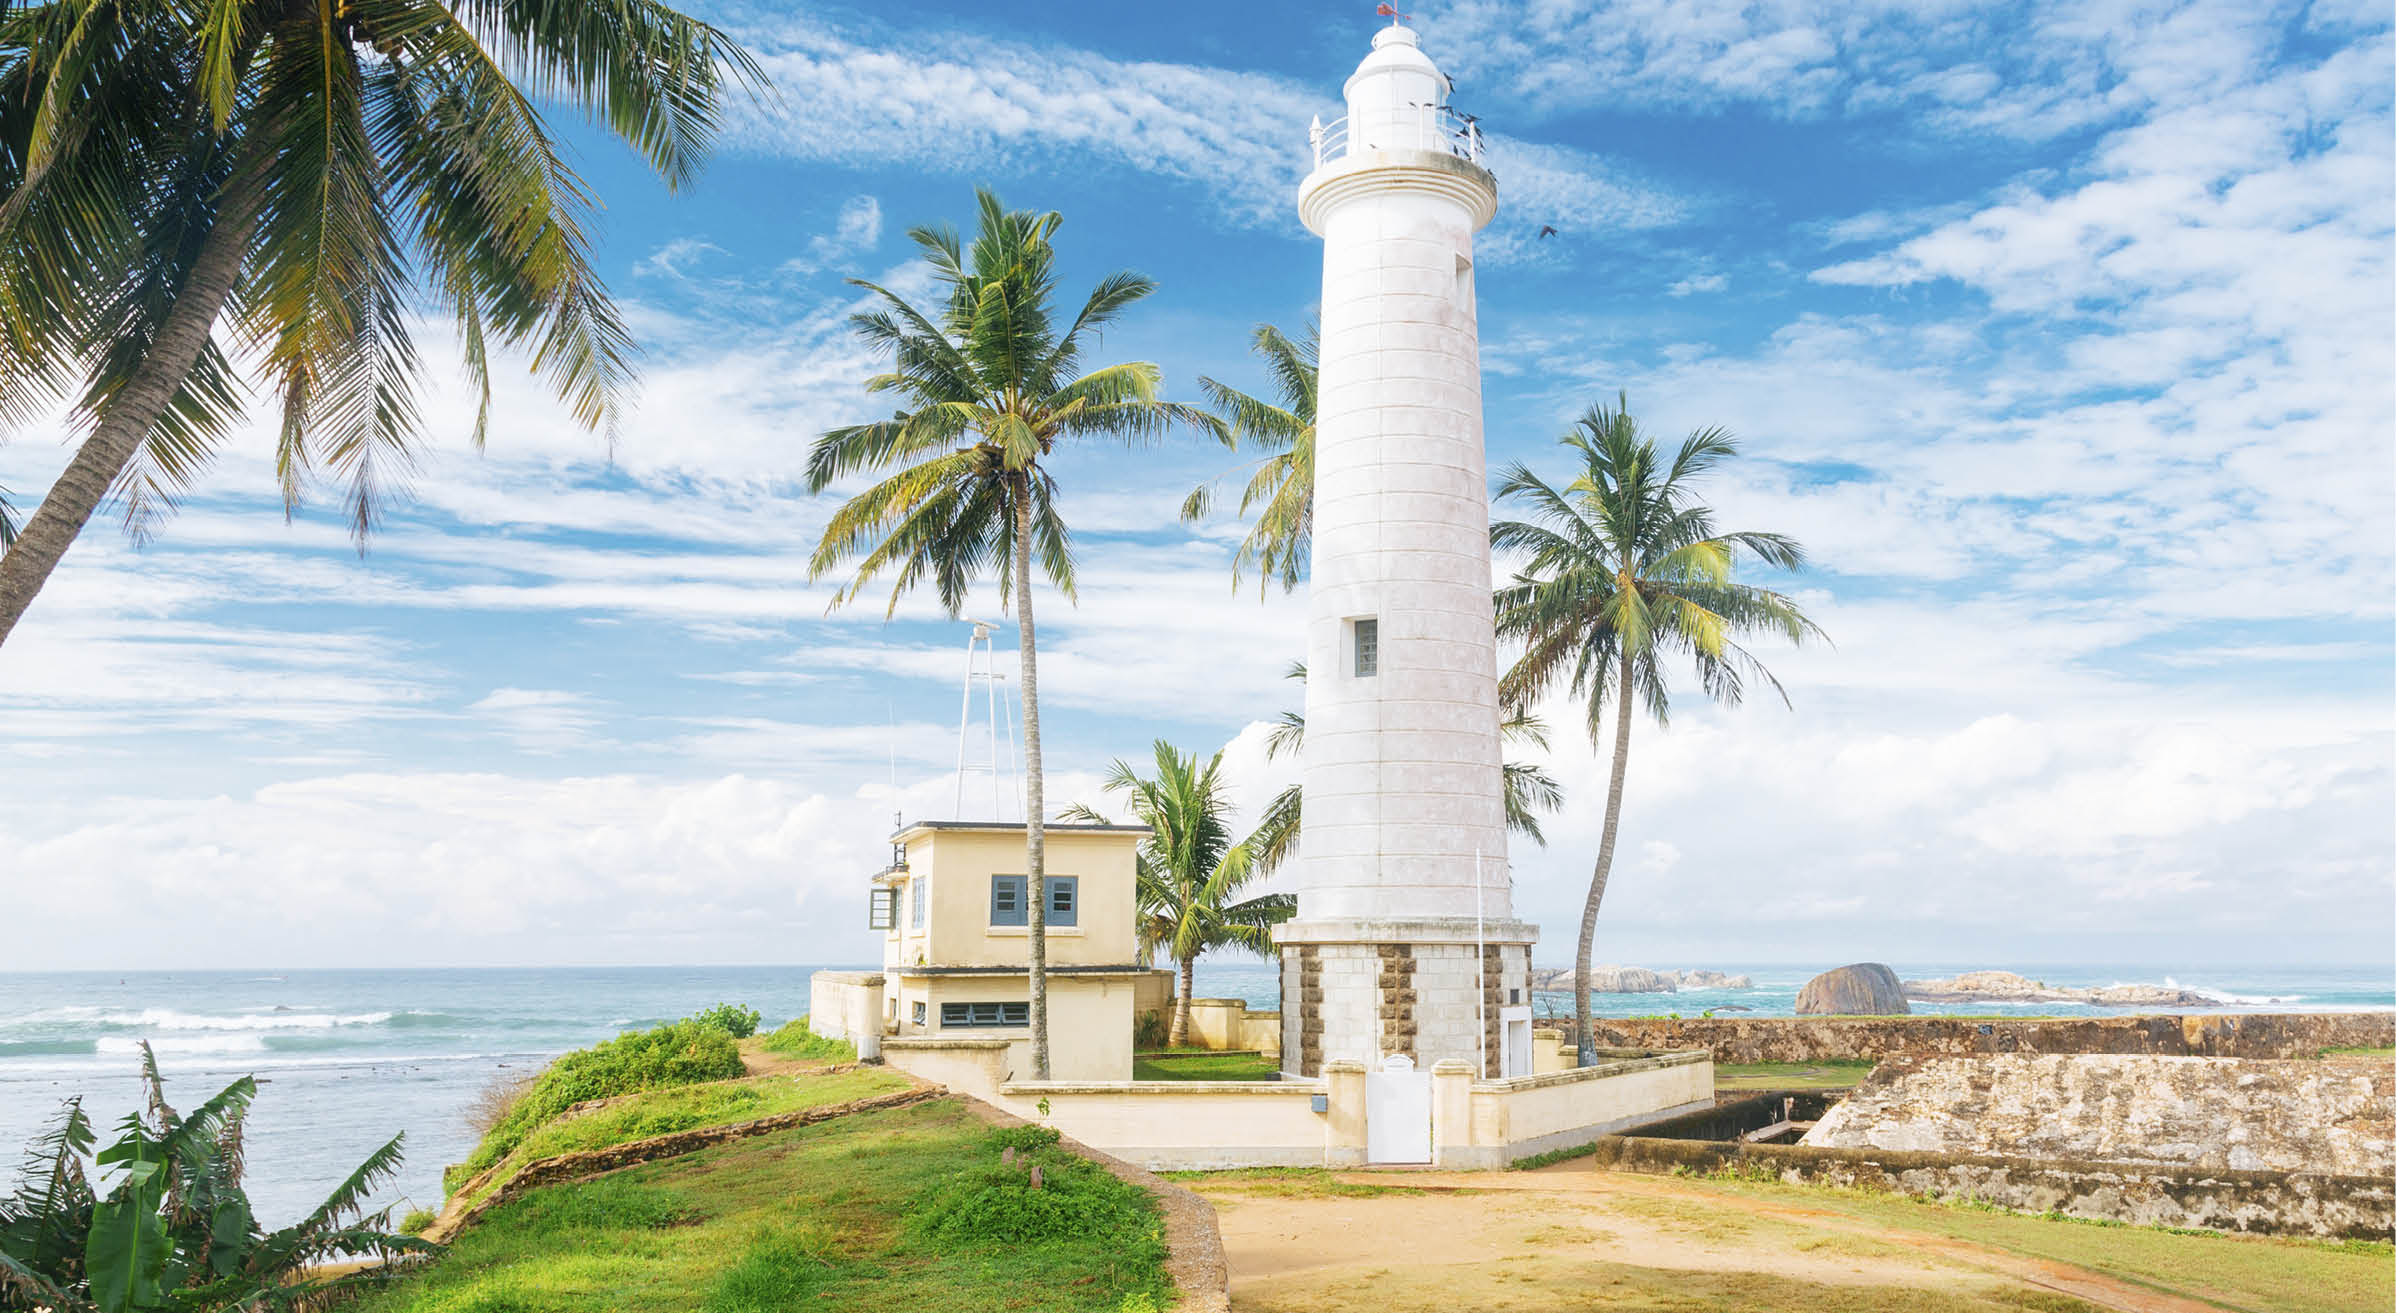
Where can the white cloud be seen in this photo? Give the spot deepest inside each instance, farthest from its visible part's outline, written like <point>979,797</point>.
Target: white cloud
<point>1696,283</point>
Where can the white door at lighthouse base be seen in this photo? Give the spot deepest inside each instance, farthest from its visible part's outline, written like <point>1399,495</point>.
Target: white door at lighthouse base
<point>1397,1112</point>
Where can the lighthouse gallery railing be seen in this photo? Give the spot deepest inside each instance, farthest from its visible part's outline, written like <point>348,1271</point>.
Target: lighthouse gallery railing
<point>1431,127</point>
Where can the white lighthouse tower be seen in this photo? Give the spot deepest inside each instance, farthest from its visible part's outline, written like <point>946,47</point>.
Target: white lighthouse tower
<point>1404,941</point>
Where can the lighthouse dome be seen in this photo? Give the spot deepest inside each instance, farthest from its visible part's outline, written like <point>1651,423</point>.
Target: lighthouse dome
<point>1396,81</point>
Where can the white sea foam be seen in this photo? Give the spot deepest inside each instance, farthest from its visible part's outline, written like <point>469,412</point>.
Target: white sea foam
<point>2228,999</point>
<point>186,1044</point>
<point>168,1019</point>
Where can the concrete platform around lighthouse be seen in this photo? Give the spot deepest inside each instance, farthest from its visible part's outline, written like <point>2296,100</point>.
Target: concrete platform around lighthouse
<point>1433,988</point>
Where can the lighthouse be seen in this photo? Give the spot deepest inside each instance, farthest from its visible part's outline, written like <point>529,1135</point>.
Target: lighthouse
<point>1404,941</point>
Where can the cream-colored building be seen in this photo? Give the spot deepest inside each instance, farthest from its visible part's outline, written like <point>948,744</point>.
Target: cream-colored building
<point>954,908</point>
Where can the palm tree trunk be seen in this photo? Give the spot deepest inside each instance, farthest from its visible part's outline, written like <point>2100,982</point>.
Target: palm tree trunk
<point>1179,1036</point>
<point>1035,788</point>
<point>1583,1039</point>
<point>127,418</point>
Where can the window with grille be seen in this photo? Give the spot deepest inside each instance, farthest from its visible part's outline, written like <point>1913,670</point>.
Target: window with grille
<point>919,1012</point>
<point>1007,905</point>
<point>970,1015</point>
<point>1064,899</point>
<point>881,909</point>
<point>915,902</point>
<point>1368,648</point>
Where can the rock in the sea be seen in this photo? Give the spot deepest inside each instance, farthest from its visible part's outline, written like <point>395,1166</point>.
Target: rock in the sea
<point>1863,989</point>
<point>1606,980</point>
<point>2006,987</point>
<point>1709,980</point>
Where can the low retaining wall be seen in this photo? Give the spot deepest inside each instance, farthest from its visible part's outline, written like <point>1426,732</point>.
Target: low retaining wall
<point>586,1163</point>
<point>1213,1125</point>
<point>847,1005</point>
<point>2283,1203</point>
<point>1819,1039</point>
<point>1227,1024</point>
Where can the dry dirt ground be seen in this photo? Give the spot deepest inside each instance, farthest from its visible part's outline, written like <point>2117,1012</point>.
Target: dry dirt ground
<point>1569,1237</point>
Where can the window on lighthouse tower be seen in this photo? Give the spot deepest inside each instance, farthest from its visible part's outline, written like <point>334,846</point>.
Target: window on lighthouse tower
<point>1367,647</point>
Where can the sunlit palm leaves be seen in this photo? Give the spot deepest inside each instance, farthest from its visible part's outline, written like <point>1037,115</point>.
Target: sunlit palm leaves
<point>1621,573</point>
<point>1280,492</point>
<point>1190,868</point>
<point>356,162</point>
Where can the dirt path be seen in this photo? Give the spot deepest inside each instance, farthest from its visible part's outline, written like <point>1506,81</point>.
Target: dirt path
<point>1572,1237</point>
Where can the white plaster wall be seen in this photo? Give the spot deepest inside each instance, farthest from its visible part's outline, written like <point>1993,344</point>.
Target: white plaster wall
<point>1402,769</point>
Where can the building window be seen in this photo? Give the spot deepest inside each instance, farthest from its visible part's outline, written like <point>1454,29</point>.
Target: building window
<point>881,909</point>
<point>1464,282</point>
<point>915,901</point>
<point>1368,647</point>
<point>1064,899</point>
<point>968,1015</point>
<point>1007,906</point>
<point>919,1012</point>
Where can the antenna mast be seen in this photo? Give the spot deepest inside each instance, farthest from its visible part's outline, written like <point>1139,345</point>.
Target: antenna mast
<point>981,666</point>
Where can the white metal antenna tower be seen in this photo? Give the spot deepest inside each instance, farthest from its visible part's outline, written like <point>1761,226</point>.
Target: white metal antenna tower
<point>998,701</point>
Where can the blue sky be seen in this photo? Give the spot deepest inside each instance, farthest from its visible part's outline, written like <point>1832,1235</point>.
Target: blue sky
<point>2060,334</point>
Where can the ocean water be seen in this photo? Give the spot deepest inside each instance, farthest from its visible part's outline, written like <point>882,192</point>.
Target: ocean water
<point>347,1059</point>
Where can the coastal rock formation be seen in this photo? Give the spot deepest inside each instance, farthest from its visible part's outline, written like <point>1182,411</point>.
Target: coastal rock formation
<point>1863,989</point>
<point>2006,987</point>
<point>1637,980</point>
<point>2222,1114</point>
<point>1827,1039</point>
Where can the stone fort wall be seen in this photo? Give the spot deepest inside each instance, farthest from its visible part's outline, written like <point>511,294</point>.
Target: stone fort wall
<point>1821,1039</point>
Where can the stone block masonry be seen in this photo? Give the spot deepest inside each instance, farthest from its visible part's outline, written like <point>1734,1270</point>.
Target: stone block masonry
<point>1832,1039</point>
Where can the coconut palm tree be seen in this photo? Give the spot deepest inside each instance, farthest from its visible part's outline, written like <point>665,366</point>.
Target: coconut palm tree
<point>1190,870</point>
<point>991,390</point>
<point>1281,491</point>
<point>1530,790</point>
<point>1623,570</point>
<point>306,173</point>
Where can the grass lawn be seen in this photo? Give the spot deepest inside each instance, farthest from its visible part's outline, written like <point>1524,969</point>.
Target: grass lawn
<point>690,1107</point>
<point>1201,1064</point>
<point>2358,1053</point>
<point>811,1218</point>
<point>1826,1075</point>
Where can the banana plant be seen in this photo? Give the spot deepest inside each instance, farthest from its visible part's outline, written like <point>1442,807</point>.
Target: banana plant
<point>167,1224</point>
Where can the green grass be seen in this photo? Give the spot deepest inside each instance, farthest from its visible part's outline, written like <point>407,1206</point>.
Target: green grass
<point>2239,1271</point>
<point>1830,1074</point>
<point>690,1107</point>
<point>815,1218</point>
<point>679,1053</point>
<point>795,1040</point>
<point>1202,1064</point>
<point>2358,1053</point>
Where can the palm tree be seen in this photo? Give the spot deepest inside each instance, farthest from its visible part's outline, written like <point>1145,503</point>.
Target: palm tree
<point>1190,870</point>
<point>313,170</point>
<point>1530,790</point>
<point>1283,484</point>
<point>990,390</point>
<point>1623,568</point>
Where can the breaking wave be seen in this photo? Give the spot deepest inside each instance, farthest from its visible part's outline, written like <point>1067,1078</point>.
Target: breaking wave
<point>168,1019</point>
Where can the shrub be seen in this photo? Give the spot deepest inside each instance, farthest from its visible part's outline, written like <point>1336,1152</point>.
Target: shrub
<point>795,1040</point>
<point>996,1203</point>
<point>679,1053</point>
<point>1149,1030</point>
<point>417,1222</point>
<point>491,1105</point>
<point>732,1019</point>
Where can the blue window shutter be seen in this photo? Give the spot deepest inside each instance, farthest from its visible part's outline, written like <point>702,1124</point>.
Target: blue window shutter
<point>1006,901</point>
<point>1064,899</point>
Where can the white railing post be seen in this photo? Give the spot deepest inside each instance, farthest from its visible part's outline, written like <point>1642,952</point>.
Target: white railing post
<point>1314,137</point>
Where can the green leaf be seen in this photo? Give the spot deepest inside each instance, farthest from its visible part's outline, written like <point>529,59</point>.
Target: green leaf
<point>126,1252</point>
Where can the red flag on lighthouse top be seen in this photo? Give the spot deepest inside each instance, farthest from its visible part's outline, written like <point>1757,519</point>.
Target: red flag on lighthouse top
<point>1389,11</point>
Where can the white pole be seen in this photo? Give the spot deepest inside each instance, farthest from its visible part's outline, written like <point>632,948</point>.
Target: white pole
<point>1480,972</point>
<point>990,701</point>
<point>964,717</point>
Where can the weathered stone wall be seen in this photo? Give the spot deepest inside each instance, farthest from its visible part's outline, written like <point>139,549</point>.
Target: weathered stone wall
<point>2281,1203</point>
<point>1818,1039</point>
<point>2244,1114</point>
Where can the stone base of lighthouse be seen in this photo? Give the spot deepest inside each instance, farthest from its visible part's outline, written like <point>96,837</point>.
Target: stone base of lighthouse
<point>1432,989</point>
